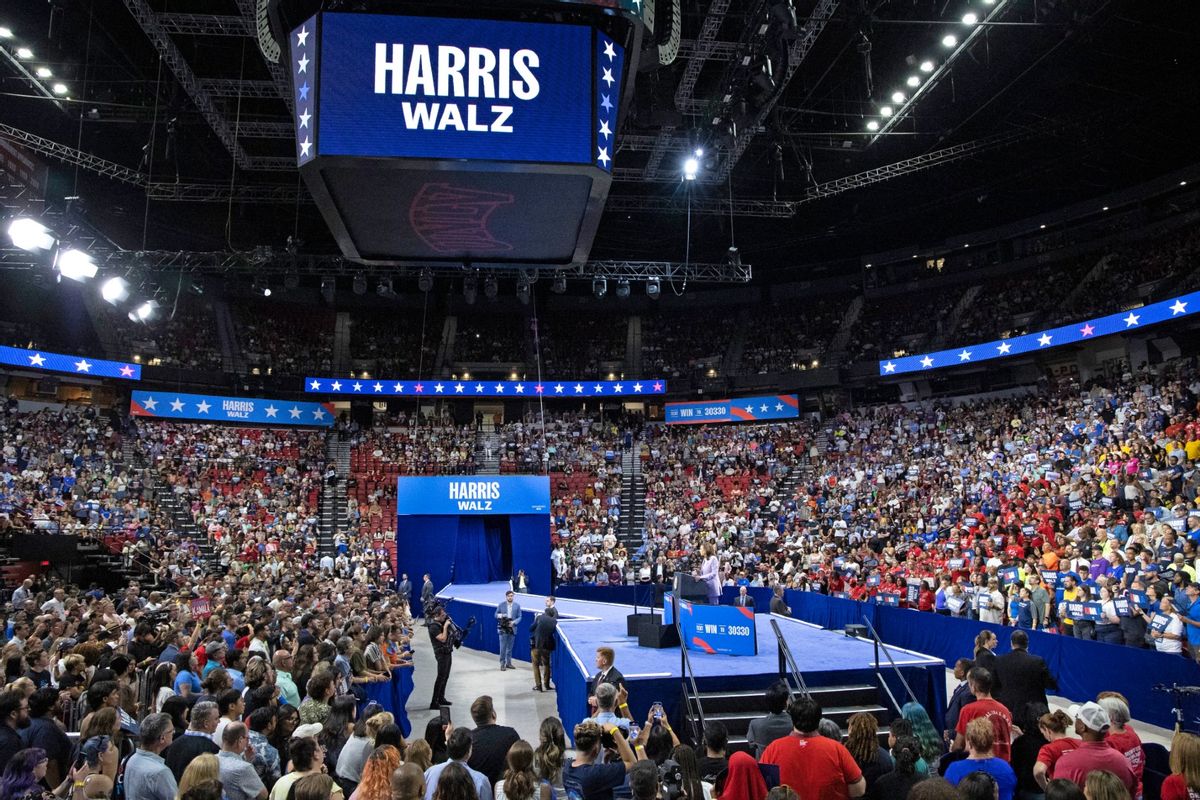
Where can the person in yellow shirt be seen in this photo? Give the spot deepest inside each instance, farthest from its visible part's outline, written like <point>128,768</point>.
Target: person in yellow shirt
<point>1070,592</point>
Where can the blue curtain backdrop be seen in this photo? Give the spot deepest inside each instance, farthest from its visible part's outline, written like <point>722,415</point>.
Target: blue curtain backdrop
<point>477,552</point>
<point>472,549</point>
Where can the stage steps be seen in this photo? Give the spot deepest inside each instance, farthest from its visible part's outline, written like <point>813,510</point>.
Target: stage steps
<point>736,709</point>
<point>487,449</point>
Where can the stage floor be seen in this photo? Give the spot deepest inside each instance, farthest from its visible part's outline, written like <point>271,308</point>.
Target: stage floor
<point>585,625</point>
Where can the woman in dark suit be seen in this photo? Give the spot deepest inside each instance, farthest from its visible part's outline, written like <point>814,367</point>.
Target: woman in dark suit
<point>985,645</point>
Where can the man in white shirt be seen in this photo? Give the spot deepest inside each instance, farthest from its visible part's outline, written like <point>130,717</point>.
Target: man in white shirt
<point>55,604</point>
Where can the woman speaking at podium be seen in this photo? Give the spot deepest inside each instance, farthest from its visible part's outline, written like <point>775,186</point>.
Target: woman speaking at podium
<point>709,572</point>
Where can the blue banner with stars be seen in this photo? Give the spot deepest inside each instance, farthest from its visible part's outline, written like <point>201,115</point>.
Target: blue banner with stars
<point>218,409</point>
<point>72,365</point>
<point>1075,333</point>
<point>377,387</point>
<point>742,409</point>
<point>610,63</point>
<point>305,53</point>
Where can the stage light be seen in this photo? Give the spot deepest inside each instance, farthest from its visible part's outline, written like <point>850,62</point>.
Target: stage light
<point>490,287</point>
<point>699,152</point>
<point>24,53</point>
<point>114,290</point>
<point>949,40</point>
<point>1042,226</point>
<point>970,18</point>
<point>360,284</point>
<point>75,265</point>
<point>622,289</point>
<point>1104,209</point>
<point>328,288</point>
<point>266,291</point>
<point>599,287</point>
<point>926,66</point>
<point>733,256</point>
<point>6,33</point>
<point>560,283</point>
<point>60,88</point>
<point>913,81</point>
<point>143,313</point>
<point>872,125</point>
<point>690,169</point>
<point>384,288</point>
<point>886,111</point>
<point>44,72</point>
<point>653,288</point>
<point>898,97</point>
<point>425,280</point>
<point>29,234</point>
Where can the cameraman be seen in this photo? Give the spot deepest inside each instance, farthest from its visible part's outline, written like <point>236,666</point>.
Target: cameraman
<point>443,652</point>
<point>508,614</point>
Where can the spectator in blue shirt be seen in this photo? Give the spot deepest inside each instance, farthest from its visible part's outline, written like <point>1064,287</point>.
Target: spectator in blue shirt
<point>1191,619</point>
<point>980,738</point>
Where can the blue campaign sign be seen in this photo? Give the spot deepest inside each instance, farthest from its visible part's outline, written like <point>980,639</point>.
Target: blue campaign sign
<point>72,365</point>
<point>473,494</point>
<point>560,387</point>
<point>217,409</point>
<point>742,409</point>
<point>716,630</point>
<point>424,87</point>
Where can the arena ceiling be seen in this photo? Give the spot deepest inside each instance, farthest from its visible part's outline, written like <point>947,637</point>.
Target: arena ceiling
<point>1039,104</point>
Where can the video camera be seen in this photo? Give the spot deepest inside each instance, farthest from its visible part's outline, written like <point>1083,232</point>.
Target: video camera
<point>456,635</point>
<point>507,625</point>
<point>670,779</point>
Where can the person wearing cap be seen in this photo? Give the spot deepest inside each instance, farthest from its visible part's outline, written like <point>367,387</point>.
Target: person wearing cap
<point>1094,753</point>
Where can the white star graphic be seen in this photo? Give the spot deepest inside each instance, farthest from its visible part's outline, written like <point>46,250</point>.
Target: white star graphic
<point>82,365</point>
<point>637,388</point>
<point>1178,307</point>
<point>479,388</point>
<point>295,412</point>
<point>150,403</point>
<point>1086,330</point>
<point>177,405</point>
<point>889,367</point>
<point>203,406</point>
<point>303,64</point>
<point>272,411</point>
<point>499,388</point>
<point>606,103</point>
<point>304,118</point>
<point>599,388</point>
<point>605,131</point>
<point>1004,348</point>
<point>357,386</point>
<point>609,51</point>
<point>302,36</point>
<point>558,388</point>
<point>398,387</point>
<point>1044,340</point>
<point>1132,319</point>
<point>37,359</point>
<point>305,146</point>
<point>965,355</point>
<point>378,387</point>
<point>618,388</point>
<point>336,386</point>
<point>926,362</point>
<point>603,157</point>
<point>749,409</point>
<point>520,388</point>
<point>315,385</point>
<point>779,406</point>
<point>763,408</point>
<point>458,388</point>
<point>438,388</point>
<point>608,77</point>
<point>579,388</point>
<point>319,414</point>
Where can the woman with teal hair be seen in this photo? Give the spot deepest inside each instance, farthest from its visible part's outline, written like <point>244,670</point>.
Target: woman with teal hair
<point>931,743</point>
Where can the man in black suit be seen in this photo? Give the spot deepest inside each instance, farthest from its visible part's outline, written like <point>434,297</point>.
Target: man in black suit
<point>743,600</point>
<point>426,592</point>
<point>489,742</point>
<point>605,673</point>
<point>961,696</point>
<point>404,588</point>
<point>542,644</point>
<point>1024,679</point>
<point>778,604</point>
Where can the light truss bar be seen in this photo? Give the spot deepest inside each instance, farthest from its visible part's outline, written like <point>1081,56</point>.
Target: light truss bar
<point>71,156</point>
<point>235,88</point>
<point>148,20</point>
<point>204,25</point>
<point>716,51</point>
<point>715,206</point>
<point>254,194</point>
<point>272,164</point>
<point>266,129</point>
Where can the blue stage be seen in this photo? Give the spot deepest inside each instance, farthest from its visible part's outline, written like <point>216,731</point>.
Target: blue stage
<point>824,657</point>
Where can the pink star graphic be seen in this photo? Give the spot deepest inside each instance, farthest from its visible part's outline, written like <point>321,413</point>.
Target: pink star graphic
<point>420,387</point>
<point>126,371</point>
<point>1087,330</point>
<point>658,387</point>
<point>538,388</point>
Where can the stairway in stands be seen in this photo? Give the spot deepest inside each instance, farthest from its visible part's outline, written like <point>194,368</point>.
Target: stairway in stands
<point>633,502</point>
<point>331,508</point>
<point>487,449</point>
<point>735,708</point>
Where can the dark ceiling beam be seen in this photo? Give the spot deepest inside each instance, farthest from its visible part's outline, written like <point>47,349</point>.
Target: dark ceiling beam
<point>238,88</point>
<point>204,25</point>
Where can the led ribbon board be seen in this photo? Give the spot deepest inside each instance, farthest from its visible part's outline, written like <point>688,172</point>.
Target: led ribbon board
<point>72,365</point>
<point>514,389</point>
<point>1075,333</point>
<point>455,139</point>
<point>742,409</point>
<point>218,409</point>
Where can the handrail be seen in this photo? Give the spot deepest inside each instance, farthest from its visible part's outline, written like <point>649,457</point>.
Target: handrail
<point>691,693</point>
<point>880,645</point>
<point>785,657</point>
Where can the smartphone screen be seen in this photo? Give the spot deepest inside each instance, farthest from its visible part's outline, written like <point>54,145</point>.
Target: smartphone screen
<point>444,714</point>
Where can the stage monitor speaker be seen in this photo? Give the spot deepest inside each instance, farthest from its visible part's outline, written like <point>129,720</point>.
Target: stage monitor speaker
<point>633,622</point>
<point>657,636</point>
<point>857,631</point>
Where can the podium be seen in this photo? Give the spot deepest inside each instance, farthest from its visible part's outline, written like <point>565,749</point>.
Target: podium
<point>692,589</point>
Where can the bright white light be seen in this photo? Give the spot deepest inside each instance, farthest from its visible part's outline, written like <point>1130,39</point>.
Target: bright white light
<point>970,18</point>
<point>699,152</point>
<point>690,168</point>
<point>898,97</point>
<point>926,66</point>
<point>989,2</point>
<point>913,81</point>
<point>949,40</point>
<point>6,33</point>
<point>29,234</point>
<point>44,72</point>
<point>25,53</point>
<point>1104,209</point>
<point>886,111</point>
<point>60,88</point>
<point>76,265</point>
<point>872,125</point>
<point>266,291</point>
<point>144,311</point>
<point>1042,226</point>
<point>1183,183</point>
<point>114,290</point>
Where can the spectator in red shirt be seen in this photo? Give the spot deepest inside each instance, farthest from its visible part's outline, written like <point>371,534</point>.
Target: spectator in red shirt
<point>1121,736</point>
<point>925,598</point>
<point>815,767</point>
<point>980,681</point>
<point>1093,753</point>
<point>1054,727</point>
<point>1184,781</point>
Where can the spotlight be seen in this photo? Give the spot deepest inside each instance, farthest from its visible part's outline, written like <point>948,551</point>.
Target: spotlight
<point>360,284</point>
<point>698,152</point>
<point>60,88</point>
<point>622,289</point>
<point>114,290</point>
<point>425,280</point>
<point>733,256</point>
<point>653,288</point>
<point>560,283</point>
<point>6,33</point>
<point>44,72</point>
<point>913,81</point>
<point>599,287</point>
<point>898,97</point>
<point>384,288</point>
<point>143,313</point>
<point>691,167</point>
<point>29,234</point>
<point>490,287</point>
<point>469,290</point>
<point>970,18</point>
<point>24,53</point>
<point>872,125</point>
<point>266,291</point>
<point>949,40</point>
<point>886,111</point>
<point>926,66</point>
<point>75,265</point>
